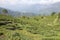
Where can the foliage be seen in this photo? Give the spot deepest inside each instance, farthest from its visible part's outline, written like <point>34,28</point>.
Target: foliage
<point>4,11</point>
<point>59,15</point>
<point>53,13</point>
<point>29,28</point>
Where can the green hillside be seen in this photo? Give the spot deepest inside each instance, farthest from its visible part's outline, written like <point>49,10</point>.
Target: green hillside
<point>29,28</point>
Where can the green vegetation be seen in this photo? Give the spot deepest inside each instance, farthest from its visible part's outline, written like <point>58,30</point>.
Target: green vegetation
<point>53,13</point>
<point>4,11</point>
<point>30,28</point>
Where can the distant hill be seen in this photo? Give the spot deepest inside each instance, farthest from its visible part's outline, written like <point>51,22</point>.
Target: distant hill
<point>37,8</point>
<point>52,8</point>
<point>1,10</point>
<point>34,9</point>
<point>16,13</point>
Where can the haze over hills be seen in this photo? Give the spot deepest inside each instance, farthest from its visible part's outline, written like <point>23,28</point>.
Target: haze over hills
<point>34,8</point>
<point>17,13</point>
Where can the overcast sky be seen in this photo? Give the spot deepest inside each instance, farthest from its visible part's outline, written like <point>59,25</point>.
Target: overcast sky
<point>15,2</point>
<point>9,3</point>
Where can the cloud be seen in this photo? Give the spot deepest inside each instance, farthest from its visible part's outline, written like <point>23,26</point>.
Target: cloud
<point>15,2</point>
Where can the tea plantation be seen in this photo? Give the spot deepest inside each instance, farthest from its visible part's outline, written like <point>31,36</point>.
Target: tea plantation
<point>29,28</point>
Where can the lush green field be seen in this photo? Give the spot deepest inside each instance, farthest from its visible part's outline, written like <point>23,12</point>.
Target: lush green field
<point>29,28</point>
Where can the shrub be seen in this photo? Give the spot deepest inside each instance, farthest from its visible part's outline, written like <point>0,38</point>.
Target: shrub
<point>53,13</point>
<point>1,34</point>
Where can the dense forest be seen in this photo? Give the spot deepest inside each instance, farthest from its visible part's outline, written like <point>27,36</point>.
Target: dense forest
<point>38,27</point>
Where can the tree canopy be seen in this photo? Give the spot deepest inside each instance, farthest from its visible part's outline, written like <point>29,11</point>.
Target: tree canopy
<point>4,11</point>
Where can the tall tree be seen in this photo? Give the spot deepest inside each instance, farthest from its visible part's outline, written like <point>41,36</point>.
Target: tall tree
<point>4,11</point>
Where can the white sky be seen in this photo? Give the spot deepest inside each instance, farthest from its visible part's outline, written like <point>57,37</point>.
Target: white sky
<point>15,2</point>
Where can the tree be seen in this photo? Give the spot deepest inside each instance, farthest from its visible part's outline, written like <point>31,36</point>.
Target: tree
<point>59,15</point>
<point>53,13</point>
<point>4,11</point>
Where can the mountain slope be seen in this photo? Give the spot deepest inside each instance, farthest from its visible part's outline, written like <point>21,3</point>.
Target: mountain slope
<point>53,8</point>
<point>38,8</point>
<point>16,13</point>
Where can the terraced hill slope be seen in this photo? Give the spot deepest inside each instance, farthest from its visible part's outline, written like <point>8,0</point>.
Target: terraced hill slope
<point>29,28</point>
